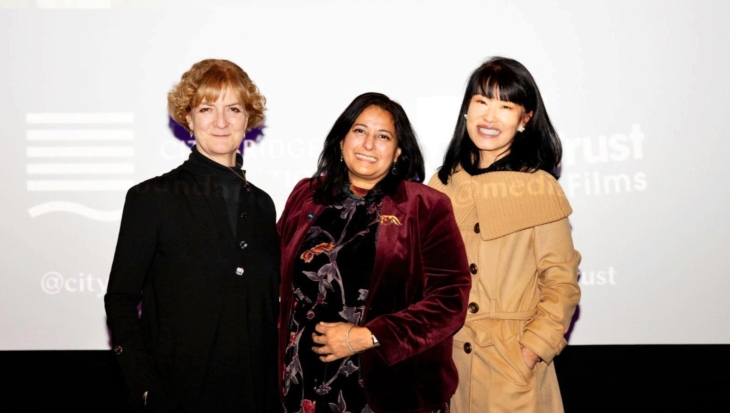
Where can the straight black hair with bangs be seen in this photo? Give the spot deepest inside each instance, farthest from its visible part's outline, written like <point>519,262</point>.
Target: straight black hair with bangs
<point>537,148</point>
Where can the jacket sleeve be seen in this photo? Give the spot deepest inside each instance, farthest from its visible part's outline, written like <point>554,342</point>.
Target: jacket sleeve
<point>447,281</point>
<point>557,265</point>
<point>293,203</point>
<point>133,257</point>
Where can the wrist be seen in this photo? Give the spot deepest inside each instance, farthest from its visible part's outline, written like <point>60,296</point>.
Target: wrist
<point>360,339</point>
<point>347,339</point>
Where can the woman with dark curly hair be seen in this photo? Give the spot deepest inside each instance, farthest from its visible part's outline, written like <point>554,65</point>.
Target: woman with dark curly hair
<point>198,250</point>
<point>374,274</point>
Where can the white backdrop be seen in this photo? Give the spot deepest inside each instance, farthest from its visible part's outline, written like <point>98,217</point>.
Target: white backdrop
<point>639,91</point>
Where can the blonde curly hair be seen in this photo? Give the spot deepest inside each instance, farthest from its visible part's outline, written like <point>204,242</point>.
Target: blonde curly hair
<point>205,81</point>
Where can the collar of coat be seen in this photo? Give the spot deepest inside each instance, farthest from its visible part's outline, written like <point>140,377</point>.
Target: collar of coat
<point>506,202</point>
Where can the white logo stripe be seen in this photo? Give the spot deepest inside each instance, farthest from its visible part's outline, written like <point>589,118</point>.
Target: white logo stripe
<point>13,4</point>
<point>80,135</point>
<point>90,185</point>
<point>74,4</point>
<point>78,118</point>
<point>79,168</point>
<point>80,152</point>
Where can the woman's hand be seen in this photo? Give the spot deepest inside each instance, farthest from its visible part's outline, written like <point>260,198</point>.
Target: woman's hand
<point>530,357</point>
<point>332,340</point>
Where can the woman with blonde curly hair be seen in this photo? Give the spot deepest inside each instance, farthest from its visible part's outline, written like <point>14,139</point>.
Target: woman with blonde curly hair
<point>198,253</point>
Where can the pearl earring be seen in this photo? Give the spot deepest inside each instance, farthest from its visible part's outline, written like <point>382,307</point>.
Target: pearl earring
<point>465,116</point>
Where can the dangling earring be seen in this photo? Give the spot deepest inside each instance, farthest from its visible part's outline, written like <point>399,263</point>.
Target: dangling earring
<point>341,159</point>
<point>521,128</point>
<point>394,169</point>
<point>191,134</point>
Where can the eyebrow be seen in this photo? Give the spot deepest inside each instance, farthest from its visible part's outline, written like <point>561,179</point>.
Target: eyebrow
<point>380,130</point>
<point>228,105</point>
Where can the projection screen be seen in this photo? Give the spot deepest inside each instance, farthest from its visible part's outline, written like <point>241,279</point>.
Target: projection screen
<point>638,90</point>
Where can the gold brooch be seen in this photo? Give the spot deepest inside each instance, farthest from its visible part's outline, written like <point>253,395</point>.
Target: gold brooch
<point>389,220</point>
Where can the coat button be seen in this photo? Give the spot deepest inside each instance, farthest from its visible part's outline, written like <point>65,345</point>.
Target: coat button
<point>243,244</point>
<point>118,350</point>
<point>239,271</point>
<point>476,227</point>
<point>467,348</point>
<point>244,215</point>
<point>473,307</point>
<point>473,268</point>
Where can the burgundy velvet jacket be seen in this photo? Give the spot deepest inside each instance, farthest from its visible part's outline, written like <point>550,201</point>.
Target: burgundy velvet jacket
<point>417,300</point>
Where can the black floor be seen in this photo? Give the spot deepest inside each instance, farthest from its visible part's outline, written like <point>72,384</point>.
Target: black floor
<point>652,378</point>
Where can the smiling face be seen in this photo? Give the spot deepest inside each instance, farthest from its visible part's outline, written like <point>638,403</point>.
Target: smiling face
<point>370,147</point>
<point>492,125</point>
<point>219,127</point>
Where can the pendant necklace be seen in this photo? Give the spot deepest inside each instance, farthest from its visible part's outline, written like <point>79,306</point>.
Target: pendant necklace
<point>245,182</point>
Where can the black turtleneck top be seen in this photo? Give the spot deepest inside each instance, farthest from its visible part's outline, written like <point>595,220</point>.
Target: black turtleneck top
<point>228,180</point>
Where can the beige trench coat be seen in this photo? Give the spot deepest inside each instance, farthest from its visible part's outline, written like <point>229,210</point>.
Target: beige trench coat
<point>524,289</point>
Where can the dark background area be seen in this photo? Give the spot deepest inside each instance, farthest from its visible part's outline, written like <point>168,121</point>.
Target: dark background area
<point>637,378</point>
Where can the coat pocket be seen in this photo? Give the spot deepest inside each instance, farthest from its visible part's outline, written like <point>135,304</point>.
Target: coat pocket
<point>514,367</point>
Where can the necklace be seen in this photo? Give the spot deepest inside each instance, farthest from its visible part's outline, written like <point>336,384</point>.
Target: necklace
<point>245,182</point>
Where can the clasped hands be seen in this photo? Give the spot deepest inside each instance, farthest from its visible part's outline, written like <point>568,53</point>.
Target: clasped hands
<point>331,340</point>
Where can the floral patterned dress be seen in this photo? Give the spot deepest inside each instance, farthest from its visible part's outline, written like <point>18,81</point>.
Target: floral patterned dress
<point>331,281</point>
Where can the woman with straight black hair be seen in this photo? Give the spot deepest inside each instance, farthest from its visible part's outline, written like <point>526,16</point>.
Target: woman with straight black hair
<point>500,172</point>
<point>535,147</point>
<point>374,274</point>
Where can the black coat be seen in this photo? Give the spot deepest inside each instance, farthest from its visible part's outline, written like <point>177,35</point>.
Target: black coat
<point>206,338</point>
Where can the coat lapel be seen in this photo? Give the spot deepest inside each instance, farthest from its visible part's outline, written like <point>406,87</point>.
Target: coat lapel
<point>309,213</point>
<point>388,235</point>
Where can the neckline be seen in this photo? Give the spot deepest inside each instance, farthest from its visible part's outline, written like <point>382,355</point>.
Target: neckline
<point>358,191</point>
<point>206,166</point>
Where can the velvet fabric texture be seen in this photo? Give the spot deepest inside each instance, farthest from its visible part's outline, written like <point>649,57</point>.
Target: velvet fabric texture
<point>417,299</point>
<point>206,338</point>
